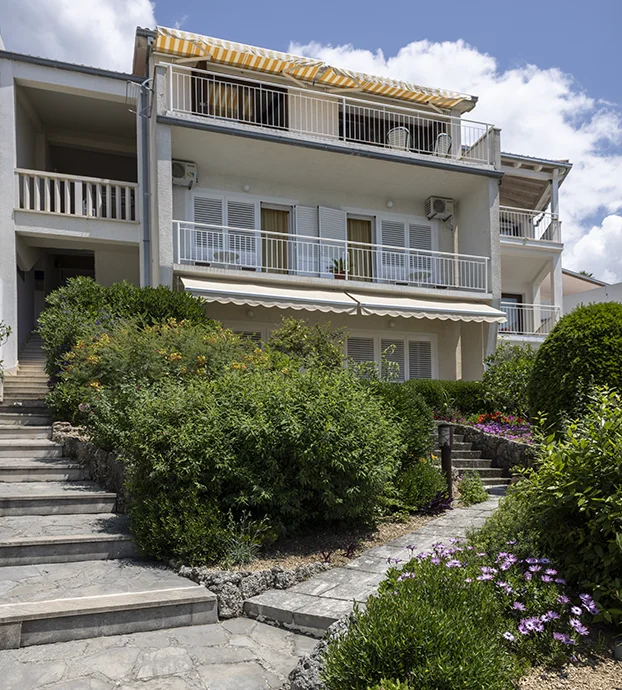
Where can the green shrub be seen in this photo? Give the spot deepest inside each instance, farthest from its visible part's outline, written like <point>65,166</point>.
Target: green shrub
<point>472,489</point>
<point>316,345</point>
<point>570,505</point>
<point>447,398</point>
<point>391,685</point>
<point>431,631</point>
<point>82,303</point>
<point>300,449</point>
<point>143,355</point>
<point>419,483</point>
<point>415,417</point>
<point>506,378</point>
<point>583,349</point>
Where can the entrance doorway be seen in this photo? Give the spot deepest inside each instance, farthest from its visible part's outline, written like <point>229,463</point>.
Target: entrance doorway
<point>274,246</point>
<point>360,257</point>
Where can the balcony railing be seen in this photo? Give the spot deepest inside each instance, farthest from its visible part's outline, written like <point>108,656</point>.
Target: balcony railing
<point>529,319</point>
<point>70,195</point>
<point>269,252</point>
<point>531,225</point>
<point>305,113</point>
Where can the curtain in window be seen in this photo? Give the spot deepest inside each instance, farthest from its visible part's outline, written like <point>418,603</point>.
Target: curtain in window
<point>274,247</point>
<point>360,252</point>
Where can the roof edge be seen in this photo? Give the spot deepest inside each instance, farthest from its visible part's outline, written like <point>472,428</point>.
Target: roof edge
<point>537,159</point>
<point>587,279</point>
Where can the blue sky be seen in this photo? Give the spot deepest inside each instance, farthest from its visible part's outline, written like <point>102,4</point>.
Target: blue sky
<point>580,37</point>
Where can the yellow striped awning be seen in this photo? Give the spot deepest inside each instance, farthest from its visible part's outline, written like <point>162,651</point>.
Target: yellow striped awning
<point>183,44</point>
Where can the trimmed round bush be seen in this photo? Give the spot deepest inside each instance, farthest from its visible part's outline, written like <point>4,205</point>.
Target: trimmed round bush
<point>583,350</point>
<point>419,483</point>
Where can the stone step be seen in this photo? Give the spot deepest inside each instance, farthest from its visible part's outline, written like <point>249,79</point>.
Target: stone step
<point>40,470</point>
<point>462,454</point>
<point>28,406</point>
<point>482,471</point>
<point>29,448</point>
<point>18,383</point>
<point>496,481</point>
<point>11,398</point>
<point>58,602</point>
<point>472,463</point>
<point>14,417</point>
<point>52,498</point>
<point>25,432</point>
<point>28,526</point>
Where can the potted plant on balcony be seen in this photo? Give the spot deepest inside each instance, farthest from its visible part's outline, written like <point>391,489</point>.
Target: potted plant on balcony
<point>338,269</point>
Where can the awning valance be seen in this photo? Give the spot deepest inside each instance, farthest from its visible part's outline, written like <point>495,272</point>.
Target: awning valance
<point>183,44</point>
<point>250,295</point>
<point>427,309</point>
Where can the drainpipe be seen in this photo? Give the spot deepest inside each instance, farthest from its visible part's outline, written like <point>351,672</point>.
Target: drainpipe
<point>143,114</point>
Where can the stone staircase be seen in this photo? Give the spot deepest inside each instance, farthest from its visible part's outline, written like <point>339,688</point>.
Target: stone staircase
<point>68,566</point>
<point>465,459</point>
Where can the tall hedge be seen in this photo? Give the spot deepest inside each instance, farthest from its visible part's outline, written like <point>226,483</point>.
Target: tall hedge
<point>584,349</point>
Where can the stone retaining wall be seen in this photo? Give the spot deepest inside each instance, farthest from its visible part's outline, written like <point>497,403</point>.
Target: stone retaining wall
<point>103,467</point>
<point>504,452</point>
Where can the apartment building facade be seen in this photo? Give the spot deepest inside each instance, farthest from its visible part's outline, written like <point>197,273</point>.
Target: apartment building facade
<point>274,185</point>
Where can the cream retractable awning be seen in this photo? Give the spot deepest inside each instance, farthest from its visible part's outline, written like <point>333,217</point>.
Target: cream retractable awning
<point>427,309</point>
<point>183,44</point>
<point>251,295</point>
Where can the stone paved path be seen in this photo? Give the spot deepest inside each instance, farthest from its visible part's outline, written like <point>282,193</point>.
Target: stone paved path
<point>312,606</point>
<point>239,654</point>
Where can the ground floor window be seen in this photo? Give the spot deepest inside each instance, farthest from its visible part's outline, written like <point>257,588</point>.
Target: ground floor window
<point>413,355</point>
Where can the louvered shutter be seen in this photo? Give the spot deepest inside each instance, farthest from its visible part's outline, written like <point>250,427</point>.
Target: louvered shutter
<point>421,266</point>
<point>393,353</point>
<point>255,336</point>
<point>307,251</point>
<point>393,261</point>
<point>333,225</point>
<point>419,359</point>
<point>243,244</point>
<point>360,350</point>
<point>204,243</point>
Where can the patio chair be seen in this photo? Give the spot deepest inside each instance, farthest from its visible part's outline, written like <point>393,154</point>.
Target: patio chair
<point>399,138</point>
<point>442,147</point>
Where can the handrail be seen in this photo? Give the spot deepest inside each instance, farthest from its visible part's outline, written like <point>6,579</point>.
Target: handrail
<point>77,178</point>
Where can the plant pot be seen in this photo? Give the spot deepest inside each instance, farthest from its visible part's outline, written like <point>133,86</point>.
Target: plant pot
<point>340,276</point>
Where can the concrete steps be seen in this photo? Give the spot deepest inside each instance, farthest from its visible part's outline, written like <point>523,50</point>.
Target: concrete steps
<point>25,432</point>
<point>29,448</point>
<point>53,498</point>
<point>40,470</point>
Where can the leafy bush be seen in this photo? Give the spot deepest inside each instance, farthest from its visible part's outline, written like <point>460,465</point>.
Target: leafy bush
<point>170,350</point>
<point>300,449</point>
<point>582,350</point>
<point>317,345</point>
<point>392,685</point>
<point>458,618</point>
<point>82,303</point>
<point>570,505</point>
<point>448,397</point>
<point>506,378</point>
<point>472,489</point>
<point>419,483</point>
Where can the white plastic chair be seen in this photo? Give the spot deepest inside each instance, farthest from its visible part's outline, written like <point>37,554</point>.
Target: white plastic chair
<point>399,138</point>
<point>442,147</point>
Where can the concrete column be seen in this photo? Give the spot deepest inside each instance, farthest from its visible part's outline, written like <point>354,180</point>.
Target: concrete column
<point>555,193</point>
<point>474,345</point>
<point>162,187</point>
<point>495,284</point>
<point>8,158</point>
<point>557,291</point>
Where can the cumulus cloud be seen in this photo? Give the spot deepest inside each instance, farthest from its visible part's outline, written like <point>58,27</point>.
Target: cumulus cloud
<point>99,33</point>
<point>542,112</point>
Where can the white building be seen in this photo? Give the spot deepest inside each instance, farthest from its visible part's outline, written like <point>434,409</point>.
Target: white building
<point>274,185</point>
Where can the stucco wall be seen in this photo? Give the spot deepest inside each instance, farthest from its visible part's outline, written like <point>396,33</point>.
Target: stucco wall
<point>609,293</point>
<point>112,266</point>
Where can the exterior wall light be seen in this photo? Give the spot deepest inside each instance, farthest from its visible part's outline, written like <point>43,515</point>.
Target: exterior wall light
<point>250,313</point>
<point>389,204</point>
<point>391,324</point>
<point>246,188</point>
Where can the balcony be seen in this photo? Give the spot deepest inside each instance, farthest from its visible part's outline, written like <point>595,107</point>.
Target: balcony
<point>257,250</point>
<point>70,195</point>
<point>305,114</point>
<point>529,225</point>
<point>529,319</point>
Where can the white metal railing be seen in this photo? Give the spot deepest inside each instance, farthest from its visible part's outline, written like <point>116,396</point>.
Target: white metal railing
<point>70,195</point>
<point>322,115</point>
<point>533,225</point>
<point>529,319</point>
<point>258,250</point>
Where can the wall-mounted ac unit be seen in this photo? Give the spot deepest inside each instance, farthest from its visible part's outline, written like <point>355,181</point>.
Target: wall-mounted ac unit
<point>184,174</point>
<point>437,207</point>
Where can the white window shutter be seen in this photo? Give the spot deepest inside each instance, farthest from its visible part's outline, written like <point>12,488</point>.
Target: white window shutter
<point>421,265</point>
<point>307,251</point>
<point>333,225</point>
<point>395,355</point>
<point>360,350</point>
<point>419,359</point>
<point>244,245</point>
<point>393,261</point>
<point>206,241</point>
<point>255,336</point>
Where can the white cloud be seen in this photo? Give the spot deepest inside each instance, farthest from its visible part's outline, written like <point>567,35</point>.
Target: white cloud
<point>542,112</point>
<point>99,33</point>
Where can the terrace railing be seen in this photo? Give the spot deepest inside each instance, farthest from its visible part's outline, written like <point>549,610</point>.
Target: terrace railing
<point>257,250</point>
<point>529,319</point>
<point>305,113</point>
<point>531,225</point>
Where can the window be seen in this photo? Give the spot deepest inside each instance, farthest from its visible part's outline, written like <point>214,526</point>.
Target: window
<point>397,263</point>
<point>414,357</point>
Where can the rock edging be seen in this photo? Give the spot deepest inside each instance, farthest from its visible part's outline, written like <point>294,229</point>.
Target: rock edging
<point>233,587</point>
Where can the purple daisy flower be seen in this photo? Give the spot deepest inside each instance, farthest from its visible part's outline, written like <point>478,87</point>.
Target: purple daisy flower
<point>547,578</point>
<point>508,636</point>
<point>453,564</point>
<point>563,638</point>
<point>519,606</point>
<point>563,599</point>
<point>578,626</point>
<point>576,610</point>
<point>549,616</point>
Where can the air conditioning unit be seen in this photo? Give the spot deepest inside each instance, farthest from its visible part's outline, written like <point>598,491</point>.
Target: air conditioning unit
<point>437,207</point>
<point>184,174</point>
